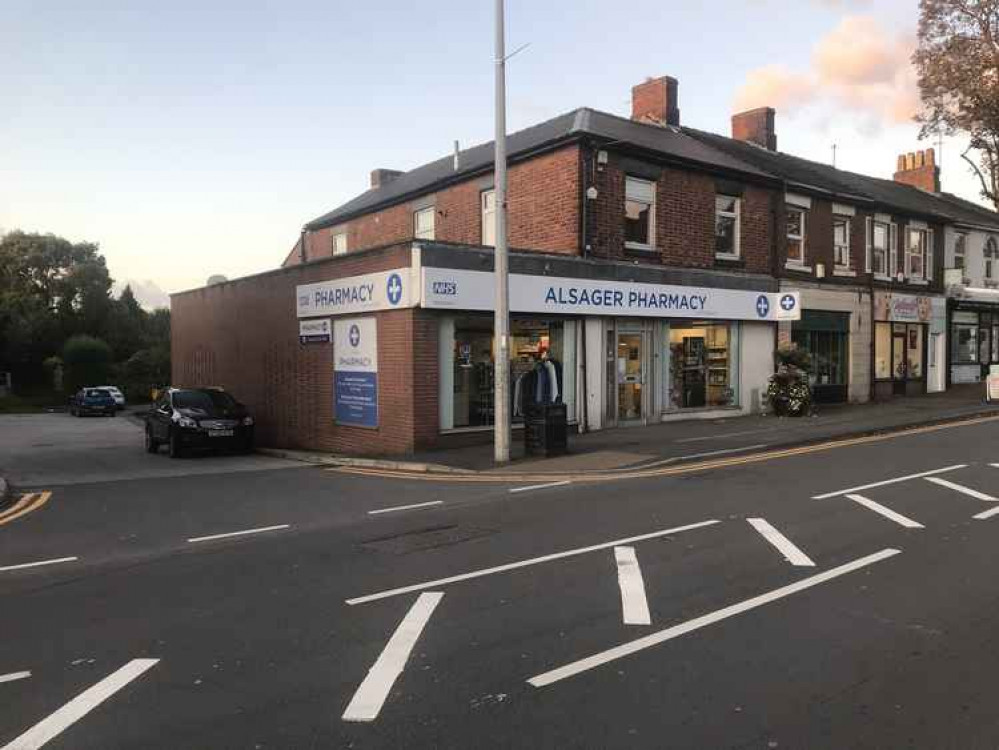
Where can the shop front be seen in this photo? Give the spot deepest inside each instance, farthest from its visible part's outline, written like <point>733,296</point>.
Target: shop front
<point>974,340</point>
<point>908,343</point>
<point>825,335</point>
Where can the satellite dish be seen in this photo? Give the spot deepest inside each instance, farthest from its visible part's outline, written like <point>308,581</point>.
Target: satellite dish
<point>216,279</point>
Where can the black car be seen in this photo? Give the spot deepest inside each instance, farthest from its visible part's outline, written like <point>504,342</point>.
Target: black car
<point>198,418</point>
<point>92,401</point>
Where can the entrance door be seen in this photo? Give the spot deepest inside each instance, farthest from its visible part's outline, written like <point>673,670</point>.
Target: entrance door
<point>630,376</point>
<point>899,367</point>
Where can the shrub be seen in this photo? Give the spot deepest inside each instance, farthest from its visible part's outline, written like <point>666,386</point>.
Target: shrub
<point>86,361</point>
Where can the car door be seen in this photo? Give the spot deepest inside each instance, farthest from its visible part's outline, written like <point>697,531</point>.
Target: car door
<point>162,412</point>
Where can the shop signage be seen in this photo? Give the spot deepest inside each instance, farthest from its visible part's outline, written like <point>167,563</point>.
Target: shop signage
<point>315,331</point>
<point>355,377</point>
<point>371,292</point>
<point>474,290</point>
<point>902,308</point>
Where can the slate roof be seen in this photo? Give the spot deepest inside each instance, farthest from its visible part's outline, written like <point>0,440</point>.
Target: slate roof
<point>671,143</point>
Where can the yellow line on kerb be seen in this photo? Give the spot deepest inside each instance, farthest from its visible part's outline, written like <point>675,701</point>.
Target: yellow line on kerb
<point>28,503</point>
<point>639,473</point>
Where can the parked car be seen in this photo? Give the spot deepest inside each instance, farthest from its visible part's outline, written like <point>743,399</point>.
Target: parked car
<point>116,394</point>
<point>92,400</point>
<point>198,418</point>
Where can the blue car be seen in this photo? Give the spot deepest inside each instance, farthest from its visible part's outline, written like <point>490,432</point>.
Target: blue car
<point>92,401</point>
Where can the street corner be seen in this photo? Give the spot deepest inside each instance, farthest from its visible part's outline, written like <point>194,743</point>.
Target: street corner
<point>21,504</point>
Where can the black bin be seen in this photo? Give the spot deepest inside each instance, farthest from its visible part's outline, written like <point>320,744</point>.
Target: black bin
<point>546,430</point>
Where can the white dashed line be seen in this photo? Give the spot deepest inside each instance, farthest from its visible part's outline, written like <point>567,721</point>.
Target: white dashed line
<point>370,696</point>
<point>22,566</point>
<point>15,676</point>
<point>240,533</point>
<point>784,545</point>
<point>634,604</point>
<point>886,512</point>
<point>404,507</point>
<point>640,644</point>
<point>896,480</point>
<point>963,490</point>
<point>540,486</point>
<point>986,514</point>
<point>56,723</point>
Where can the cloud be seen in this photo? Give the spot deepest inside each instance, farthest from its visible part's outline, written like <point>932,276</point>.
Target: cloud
<point>857,65</point>
<point>147,293</point>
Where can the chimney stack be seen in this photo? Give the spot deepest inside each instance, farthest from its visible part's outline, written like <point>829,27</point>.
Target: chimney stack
<point>382,177</point>
<point>655,101</point>
<point>920,170</point>
<point>756,126</point>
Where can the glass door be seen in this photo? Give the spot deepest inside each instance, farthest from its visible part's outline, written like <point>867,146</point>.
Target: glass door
<point>630,376</point>
<point>898,362</point>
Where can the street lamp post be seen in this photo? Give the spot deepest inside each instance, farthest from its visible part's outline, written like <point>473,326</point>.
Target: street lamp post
<point>501,326</point>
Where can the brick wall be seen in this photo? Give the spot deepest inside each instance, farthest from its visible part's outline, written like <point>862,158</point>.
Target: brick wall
<point>543,211</point>
<point>243,335</point>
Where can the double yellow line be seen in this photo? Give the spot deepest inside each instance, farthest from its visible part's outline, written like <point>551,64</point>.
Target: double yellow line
<point>29,502</point>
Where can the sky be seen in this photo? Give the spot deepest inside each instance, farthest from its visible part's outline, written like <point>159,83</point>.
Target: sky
<point>192,138</point>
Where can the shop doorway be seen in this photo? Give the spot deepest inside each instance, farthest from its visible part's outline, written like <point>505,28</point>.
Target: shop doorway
<point>898,361</point>
<point>627,373</point>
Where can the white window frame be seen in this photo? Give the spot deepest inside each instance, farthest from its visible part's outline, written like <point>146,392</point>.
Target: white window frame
<point>737,232</point>
<point>797,262</point>
<point>990,254</point>
<point>425,233</point>
<point>920,249</point>
<point>633,195</point>
<point>338,243</point>
<point>488,217</point>
<point>960,249</point>
<point>838,218</point>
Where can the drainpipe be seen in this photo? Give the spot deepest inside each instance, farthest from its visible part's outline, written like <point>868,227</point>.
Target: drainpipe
<point>301,247</point>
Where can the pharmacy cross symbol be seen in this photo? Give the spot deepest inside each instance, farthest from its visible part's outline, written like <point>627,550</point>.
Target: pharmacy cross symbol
<point>762,306</point>
<point>394,289</point>
<point>787,302</point>
<point>355,336</point>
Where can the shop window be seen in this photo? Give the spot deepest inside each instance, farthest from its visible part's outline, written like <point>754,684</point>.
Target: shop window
<point>841,241</point>
<point>702,365</point>
<point>825,336</point>
<point>727,226</point>
<point>339,243</point>
<point>964,343</point>
<point>423,223</point>
<point>488,200</point>
<point>533,343</point>
<point>795,236</point>
<point>639,213</point>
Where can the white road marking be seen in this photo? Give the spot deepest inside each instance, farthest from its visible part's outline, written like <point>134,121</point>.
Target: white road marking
<point>540,486</point>
<point>654,639</point>
<point>886,512</point>
<point>404,507</point>
<point>986,514</point>
<point>40,562</point>
<point>261,530</point>
<point>896,480</point>
<point>784,545</point>
<point>56,723</point>
<point>525,563</point>
<point>370,696</point>
<point>634,605</point>
<point>15,676</point>
<point>963,490</point>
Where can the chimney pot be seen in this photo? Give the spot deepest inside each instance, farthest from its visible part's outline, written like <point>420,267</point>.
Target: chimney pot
<point>756,126</point>
<point>920,170</point>
<point>381,177</point>
<point>655,101</point>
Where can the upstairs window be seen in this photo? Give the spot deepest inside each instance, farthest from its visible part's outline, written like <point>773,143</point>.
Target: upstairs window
<point>880,234</point>
<point>960,247</point>
<point>915,254</point>
<point>795,236</point>
<point>639,213</point>
<point>339,243</point>
<point>423,223</point>
<point>841,241</point>
<point>991,253</point>
<point>727,226</point>
<point>489,217</point>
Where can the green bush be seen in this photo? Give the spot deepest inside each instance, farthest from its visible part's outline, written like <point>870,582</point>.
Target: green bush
<point>86,361</point>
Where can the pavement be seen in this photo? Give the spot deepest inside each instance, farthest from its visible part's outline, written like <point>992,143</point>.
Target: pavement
<point>830,599</point>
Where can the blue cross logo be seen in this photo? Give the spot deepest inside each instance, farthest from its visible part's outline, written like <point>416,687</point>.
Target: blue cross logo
<point>355,335</point>
<point>394,289</point>
<point>762,306</point>
<point>787,302</point>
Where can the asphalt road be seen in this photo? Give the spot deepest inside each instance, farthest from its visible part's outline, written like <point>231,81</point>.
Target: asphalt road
<point>722,610</point>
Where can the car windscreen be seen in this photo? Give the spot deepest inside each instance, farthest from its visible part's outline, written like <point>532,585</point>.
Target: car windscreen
<point>96,393</point>
<point>207,401</point>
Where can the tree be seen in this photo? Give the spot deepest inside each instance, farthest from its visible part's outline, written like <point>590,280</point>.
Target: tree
<point>87,361</point>
<point>957,60</point>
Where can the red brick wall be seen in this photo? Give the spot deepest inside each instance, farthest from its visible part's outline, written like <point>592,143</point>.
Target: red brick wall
<point>243,335</point>
<point>543,212</point>
<point>685,220</point>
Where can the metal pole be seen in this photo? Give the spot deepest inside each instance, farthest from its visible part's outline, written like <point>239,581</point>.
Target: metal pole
<point>501,326</point>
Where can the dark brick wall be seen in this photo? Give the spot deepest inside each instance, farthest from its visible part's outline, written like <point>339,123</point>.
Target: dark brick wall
<point>243,335</point>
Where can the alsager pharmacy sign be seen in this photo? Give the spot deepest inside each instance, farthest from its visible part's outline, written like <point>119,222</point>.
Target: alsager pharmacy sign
<point>387,290</point>
<point>474,290</point>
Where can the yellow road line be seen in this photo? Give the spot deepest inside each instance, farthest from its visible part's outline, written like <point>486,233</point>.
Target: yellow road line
<point>640,473</point>
<point>27,504</point>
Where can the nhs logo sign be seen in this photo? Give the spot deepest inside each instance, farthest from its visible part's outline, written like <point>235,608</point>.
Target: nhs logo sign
<point>444,288</point>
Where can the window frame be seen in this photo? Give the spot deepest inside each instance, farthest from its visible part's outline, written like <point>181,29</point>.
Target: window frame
<point>736,216</point>
<point>799,237</point>
<point>911,253</point>
<point>650,203</point>
<point>846,221</point>
<point>960,250</point>
<point>335,250</point>
<point>990,254</point>
<point>886,250</point>
<point>427,210</point>
<point>487,217</point>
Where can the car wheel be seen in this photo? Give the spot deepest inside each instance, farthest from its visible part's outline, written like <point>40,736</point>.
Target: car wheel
<point>151,445</point>
<point>176,451</point>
